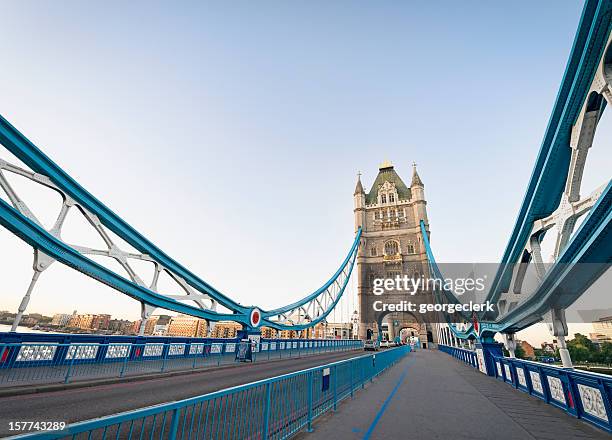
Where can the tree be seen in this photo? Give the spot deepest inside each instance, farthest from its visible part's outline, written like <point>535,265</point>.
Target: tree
<point>606,353</point>
<point>582,349</point>
<point>518,352</point>
<point>539,352</point>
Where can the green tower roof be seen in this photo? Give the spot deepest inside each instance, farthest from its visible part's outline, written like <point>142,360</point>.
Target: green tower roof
<point>386,173</point>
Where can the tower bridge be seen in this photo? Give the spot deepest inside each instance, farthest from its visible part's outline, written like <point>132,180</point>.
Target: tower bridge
<point>195,387</point>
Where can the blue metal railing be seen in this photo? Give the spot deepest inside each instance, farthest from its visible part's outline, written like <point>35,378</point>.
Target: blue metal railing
<point>582,394</point>
<point>467,356</point>
<point>275,408</point>
<point>95,357</point>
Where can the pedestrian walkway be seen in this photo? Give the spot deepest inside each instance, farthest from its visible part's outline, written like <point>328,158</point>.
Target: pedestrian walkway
<point>430,395</point>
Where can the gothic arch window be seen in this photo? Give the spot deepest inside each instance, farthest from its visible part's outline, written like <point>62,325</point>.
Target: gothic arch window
<point>391,248</point>
<point>383,198</point>
<point>410,248</point>
<point>373,251</point>
<point>392,213</point>
<point>391,198</point>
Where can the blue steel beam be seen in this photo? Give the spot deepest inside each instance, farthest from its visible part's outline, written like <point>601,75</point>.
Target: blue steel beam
<point>449,295</point>
<point>582,262</point>
<point>586,258</point>
<point>437,273</point>
<point>348,262</point>
<point>34,158</point>
<point>40,239</point>
<point>351,255</point>
<point>551,168</point>
<point>552,164</point>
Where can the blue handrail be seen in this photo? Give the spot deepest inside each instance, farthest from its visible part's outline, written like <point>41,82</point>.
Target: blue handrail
<point>275,408</point>
<point>48,359</point>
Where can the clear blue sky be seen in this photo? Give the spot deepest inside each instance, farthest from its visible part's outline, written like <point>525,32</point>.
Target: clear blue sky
<point>230,133</point>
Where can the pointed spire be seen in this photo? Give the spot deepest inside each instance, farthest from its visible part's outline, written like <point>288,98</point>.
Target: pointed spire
<point>416,180</point>
<point>359,186</point>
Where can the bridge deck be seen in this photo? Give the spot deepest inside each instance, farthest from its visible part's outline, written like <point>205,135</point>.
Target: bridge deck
<point>96,401</point>
<point>430,395</point>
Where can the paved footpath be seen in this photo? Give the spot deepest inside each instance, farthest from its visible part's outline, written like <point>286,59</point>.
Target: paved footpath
<point>431,395</point>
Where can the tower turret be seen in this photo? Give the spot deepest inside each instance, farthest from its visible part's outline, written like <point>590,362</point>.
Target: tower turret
<point>416,186</point>
<point>359,198</point>
<point>420,204</point>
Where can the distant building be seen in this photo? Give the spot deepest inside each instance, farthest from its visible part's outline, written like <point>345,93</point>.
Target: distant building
<point>153,325</point>
<point>89,321</point>
<point>39,318</point>
<point>528,349</point>
<point>135,327</point>
<point>225,329</point>
<point>338,330</point>
<point>60,319</point>
<point>100,322</point>
<point>162,319</point>
<point>80,321</point>
<point>150,325</point>
<point>121,326</point>
<point>602,330</point>
<point>184,325</point>
<point>29,321</point>
<point>288,334</point>
<point>599,338</point>
<point>160,330</point>
<point>318,331</point>
<point>269,333</point>
<point>548,348</point>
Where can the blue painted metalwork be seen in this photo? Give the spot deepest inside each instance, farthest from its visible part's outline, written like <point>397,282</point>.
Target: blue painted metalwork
<point>585,258</point>
<point>34,158</point>
<point>349,262</point>
<point>350,259</point>
<point>274,408</point>
<point>448,295</point>
<point>550,171</point>
<point>581,394</point>
<point>42,240</point>
<point>467,356</point>
<point>591,244</point>
<point>32,358</point>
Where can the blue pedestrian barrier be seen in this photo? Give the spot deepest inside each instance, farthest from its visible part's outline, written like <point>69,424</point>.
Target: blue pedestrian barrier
<point>274,408</point>
<point>40,360</point>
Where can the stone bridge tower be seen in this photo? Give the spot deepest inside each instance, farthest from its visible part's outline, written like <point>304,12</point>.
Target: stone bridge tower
<point>392,245</point>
